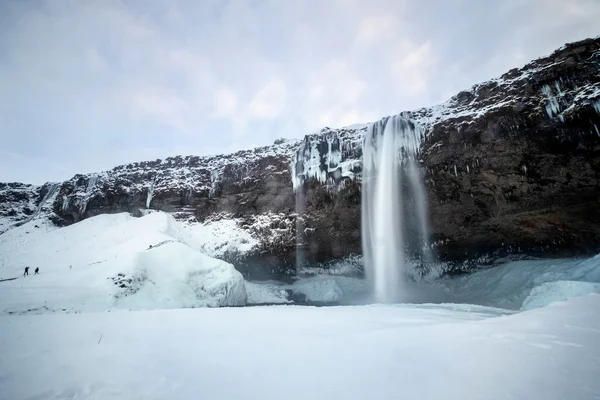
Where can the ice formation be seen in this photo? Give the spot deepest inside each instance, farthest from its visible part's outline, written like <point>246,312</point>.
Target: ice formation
<point>150,193</point>
<point>47,199</point>
<point>552,105</point>
<point>328,157</point>
<point>178,276</point>
<point>394,206</point>
<point>83,197</point>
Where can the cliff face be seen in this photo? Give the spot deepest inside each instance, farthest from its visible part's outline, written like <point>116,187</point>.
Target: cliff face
<point>511,165</point>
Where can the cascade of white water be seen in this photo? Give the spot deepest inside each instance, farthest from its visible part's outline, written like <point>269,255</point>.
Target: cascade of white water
<point>300,209</point>
<point>394,205</point>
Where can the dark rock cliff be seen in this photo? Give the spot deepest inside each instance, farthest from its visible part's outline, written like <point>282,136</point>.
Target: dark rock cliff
<point>511,165</point>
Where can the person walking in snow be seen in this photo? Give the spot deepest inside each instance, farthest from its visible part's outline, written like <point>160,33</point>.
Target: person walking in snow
<point>26,271</point>
<point>37,271</point>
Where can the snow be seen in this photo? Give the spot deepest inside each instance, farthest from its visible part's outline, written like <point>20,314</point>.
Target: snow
<point>509,285</point>
<point>550,292</point>
<point>380,352</point>
<point>224,236</point>
<point>218,237</point>
<point>17,202</point>
<point>266,293</point>
<point>105,262</point>
<point>46,202</point>
<point>319,289</point>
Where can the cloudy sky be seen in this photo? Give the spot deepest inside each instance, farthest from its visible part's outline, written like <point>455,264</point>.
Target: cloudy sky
<point>89,84</point>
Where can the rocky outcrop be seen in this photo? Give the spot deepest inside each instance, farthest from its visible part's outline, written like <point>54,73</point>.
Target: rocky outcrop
<point>511,165</point>
<point>17,202</point>
<point>523,174</point>
<point>20,203</point>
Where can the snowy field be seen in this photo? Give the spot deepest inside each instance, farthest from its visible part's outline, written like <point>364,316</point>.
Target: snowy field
<point>110,317</point>
<point>290,352</point>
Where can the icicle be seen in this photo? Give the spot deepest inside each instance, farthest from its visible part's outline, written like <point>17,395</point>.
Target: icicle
<point>553,106</point>
<point>65,204</point>
<point>596,106</point>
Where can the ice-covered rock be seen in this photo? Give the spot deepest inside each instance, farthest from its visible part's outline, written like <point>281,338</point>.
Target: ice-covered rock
<point>321,289</point>
<point>176,276</point>
<point>524,283</point>
<point>266,293</point>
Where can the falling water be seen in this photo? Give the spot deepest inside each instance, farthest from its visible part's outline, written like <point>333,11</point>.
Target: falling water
<point>394,206</point>
<point>300,238</point>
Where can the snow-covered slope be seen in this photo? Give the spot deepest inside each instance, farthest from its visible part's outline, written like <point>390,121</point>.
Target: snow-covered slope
<point>111,261</point>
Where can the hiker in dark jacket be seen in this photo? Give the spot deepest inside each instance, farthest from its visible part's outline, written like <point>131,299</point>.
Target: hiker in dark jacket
<point>26,271</point>
<point>37,271</point>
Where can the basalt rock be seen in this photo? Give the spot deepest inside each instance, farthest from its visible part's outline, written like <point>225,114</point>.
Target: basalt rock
<point>510,166</point>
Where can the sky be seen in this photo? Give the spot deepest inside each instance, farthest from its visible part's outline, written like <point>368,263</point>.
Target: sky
<point>86,85</point>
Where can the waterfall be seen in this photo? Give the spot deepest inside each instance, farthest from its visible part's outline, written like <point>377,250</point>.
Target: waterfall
<point>394,206</point>
<point>300,234</point>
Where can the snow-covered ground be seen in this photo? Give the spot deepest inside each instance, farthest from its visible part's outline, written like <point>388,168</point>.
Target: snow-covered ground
<point>291,352</point>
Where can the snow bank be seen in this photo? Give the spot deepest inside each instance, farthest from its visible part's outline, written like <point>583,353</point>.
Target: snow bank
<point>98,263</point>
<point>551,292</point>
<point>177,276</point>
<point>508,285</point>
